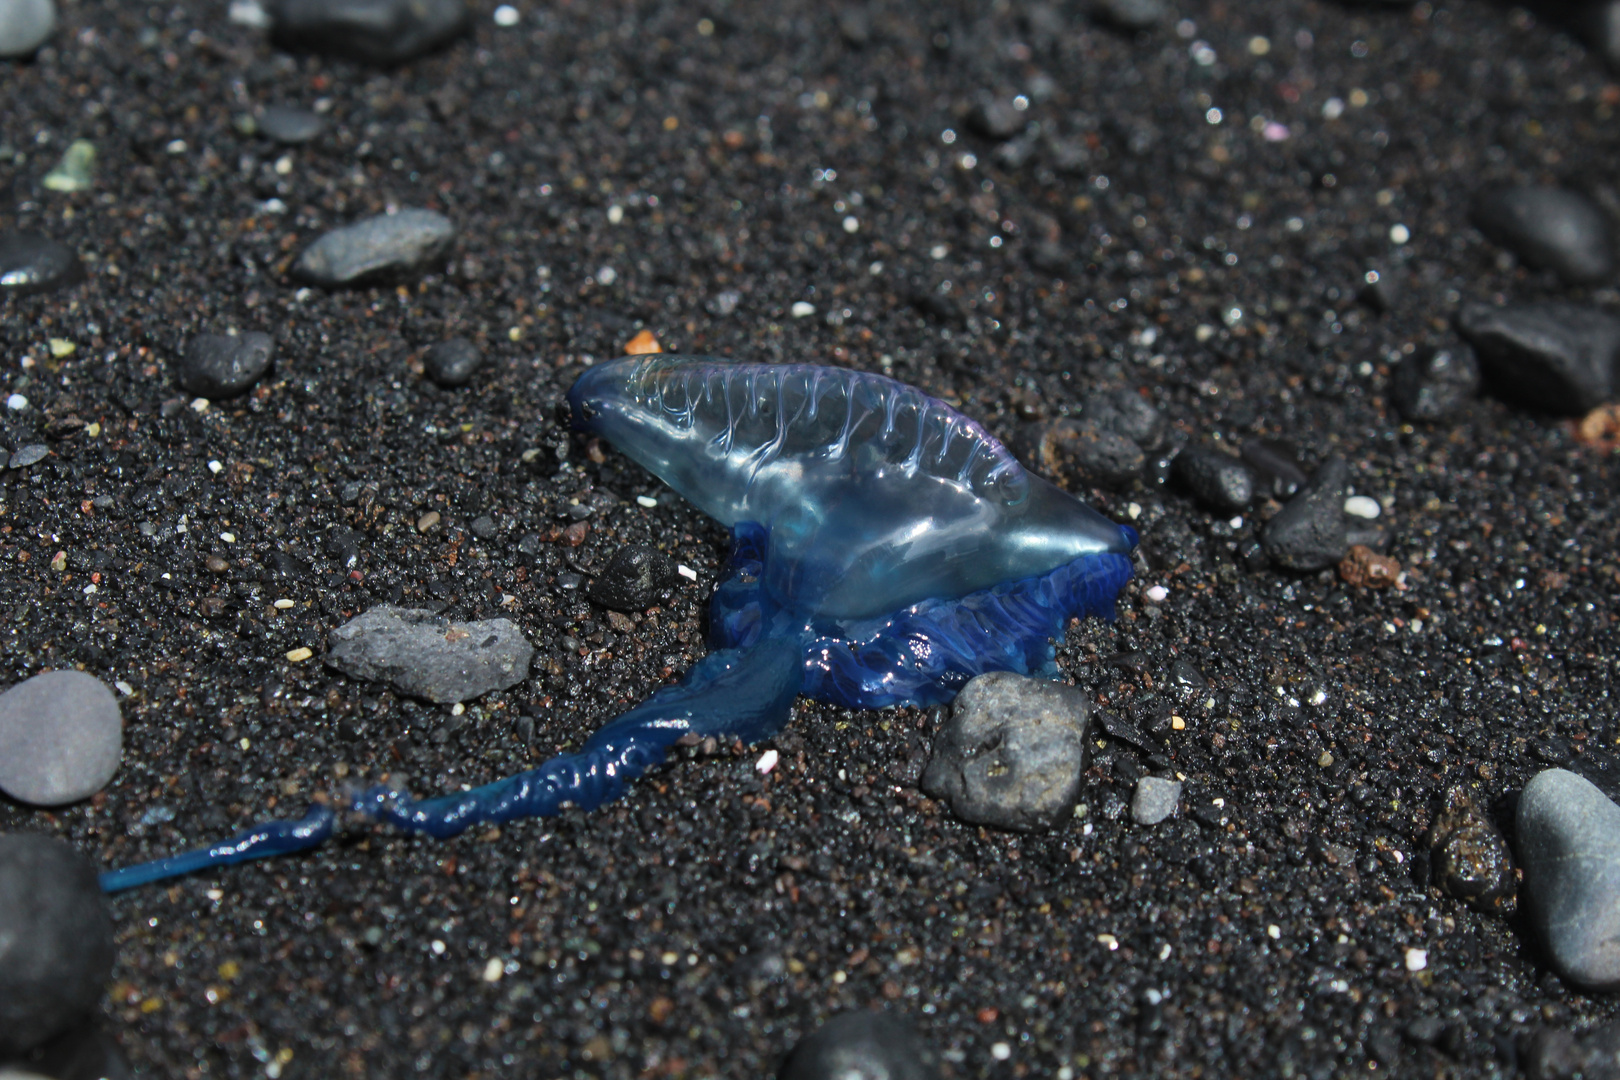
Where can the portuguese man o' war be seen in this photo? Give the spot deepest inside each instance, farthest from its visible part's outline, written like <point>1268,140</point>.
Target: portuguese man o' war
<point>885,550</point>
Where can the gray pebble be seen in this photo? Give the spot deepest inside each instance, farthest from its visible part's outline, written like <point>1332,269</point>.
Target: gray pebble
<point>61,738</point>
<point>1130,14</point>
<point>428,656</point>
<point>1568,842</point>
<point>383,32</point>
<point>997,119</point>
<point>1552,228</point>
<point>1216,479</point>
<point>31,263</point>
<point>32,454</point>
<point>1011,754</point>
<point>1309,533</point>
<point>1078,453</point>
<point>1552,356</point>
<point>290,125</point>
<point>1129,414</point>
<point>1435,384</point>
<point>861,1045</point>
<point>453,363</point>
<point>56,940</point>
<point>25,25</point>
<point>377,248</point>
<point>219,366</point>
<point>1155,800</point>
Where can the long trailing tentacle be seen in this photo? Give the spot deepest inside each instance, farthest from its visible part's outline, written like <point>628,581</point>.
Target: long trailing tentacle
<point>741,693</point>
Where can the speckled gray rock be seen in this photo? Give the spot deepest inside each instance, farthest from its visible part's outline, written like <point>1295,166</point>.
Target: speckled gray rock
<point>56,940</point>
<point>1011,754</point>
<point>61,738</point>
<point>1554,228</point>
<point>25,25</point>
<point>290,125</point>
<point>453,363</point>
<point>428,656</point>
<point>1216,479</point>
<point>861,1045</point>
<point>1129,414</point>
<point>31,263</point>
<point>383,32</point>
<point>1568,842</point>
<point>1435,384</point>
<point>378,248</point>
<point>219,366</point>
<point>1309,532</point>
<point>32,454</point>
<point>1156,799</point>
<point>1552,356</point>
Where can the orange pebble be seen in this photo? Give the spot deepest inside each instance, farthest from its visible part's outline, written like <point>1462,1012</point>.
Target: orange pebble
<point>643,342</point>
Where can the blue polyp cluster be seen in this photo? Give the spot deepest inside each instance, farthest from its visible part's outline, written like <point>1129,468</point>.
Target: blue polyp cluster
<point>885,550</point>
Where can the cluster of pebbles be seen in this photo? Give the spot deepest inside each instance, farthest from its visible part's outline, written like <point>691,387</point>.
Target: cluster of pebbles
<point>1013,753</point>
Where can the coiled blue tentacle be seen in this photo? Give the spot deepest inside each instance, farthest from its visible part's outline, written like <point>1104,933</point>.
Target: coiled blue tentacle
<point>741,693</point>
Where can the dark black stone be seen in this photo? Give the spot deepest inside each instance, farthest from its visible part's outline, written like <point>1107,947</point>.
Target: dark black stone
<point>1555,1054</point>
<point>56,940</point>
<point>633,580</point>
<point>1468,858</point>
<point>997,119</point>
<point>381,32</point>
<point>218,366</point>
<point>1276,465</point>
<point>1130,14</point>
<point>31,263</point>
<point>1550,228</point>
<point>453,363</point>
<point>1434,384</point>
<point>1309,532</point>
<point>1598,22</point>
<point>290,125</point>
<point>1129,414</point>
<point>1077,453</point>
<point>861,1045</point>
<point>1216,479</point>
<point>1552,356</point>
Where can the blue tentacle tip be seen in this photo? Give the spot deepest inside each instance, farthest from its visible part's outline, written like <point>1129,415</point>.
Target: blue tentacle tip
<point>885,550</point>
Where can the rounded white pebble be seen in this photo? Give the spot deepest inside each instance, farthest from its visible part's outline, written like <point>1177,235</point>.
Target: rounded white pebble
<point>1362,506</point>
<point>493,971</point>
<point>1000,1051</point>
<point>767,761</point>
<point>1157,593</point>
<point>646,500</point>
<point>852,225</point>
<point>506,15</point>
<point>1399,234</point>
<point>803,308</point>
<point>1417,959</point>
<point>16,403</point>
<point>216,467</point>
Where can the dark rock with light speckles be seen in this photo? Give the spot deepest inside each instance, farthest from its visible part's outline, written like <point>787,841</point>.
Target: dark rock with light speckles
<point>861,1045</point>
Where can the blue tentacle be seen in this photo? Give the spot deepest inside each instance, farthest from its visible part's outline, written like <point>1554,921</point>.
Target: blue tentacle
<point>741,693</point>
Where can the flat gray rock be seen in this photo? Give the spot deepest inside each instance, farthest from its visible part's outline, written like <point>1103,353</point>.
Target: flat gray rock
<point>1155,800</point>
<point>427,656</point>
<point>383,32</point>
<point>1012,752</point>
<point>290,125</point>
<point>1568,841</point>
<point>56,940</point>
<point>61,738</point>
<point>25,25</point>
<point>1552,356</point>
<point>1561,230</point>
<point>377,248</point>
<point>31,263</point>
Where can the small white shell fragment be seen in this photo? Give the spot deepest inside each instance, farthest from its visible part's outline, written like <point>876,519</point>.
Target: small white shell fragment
<point>646,500</point>
<point>493,970</point>
<point>1157,593</point>
<point>1417,959</point>
<point>216,467</point>
<point>1362,506</point>
<point>767,761</point>
<point>686,572</point>
<point>802,309</point>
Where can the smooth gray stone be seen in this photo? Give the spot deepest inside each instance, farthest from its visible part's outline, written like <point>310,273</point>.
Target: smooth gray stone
<point>290,125</point>
<point>1568,841</point>
<point>1012,752</point>
<point>861,1045</point>
<point>219,366</point>
<point>1552,228</point>
<point>56,940</point>
<point>31,263</point>
<point>383,32</point>
<point>1310,532</point>
<point>453,363</point>
<point>1155,800</point>
<point>61,738</point>
<point>1216,478</point>
<point>375,249</point>
<point>1552,356</point>
<point>25,25</point>
<point>428,656</point>
<point>32,454</point>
